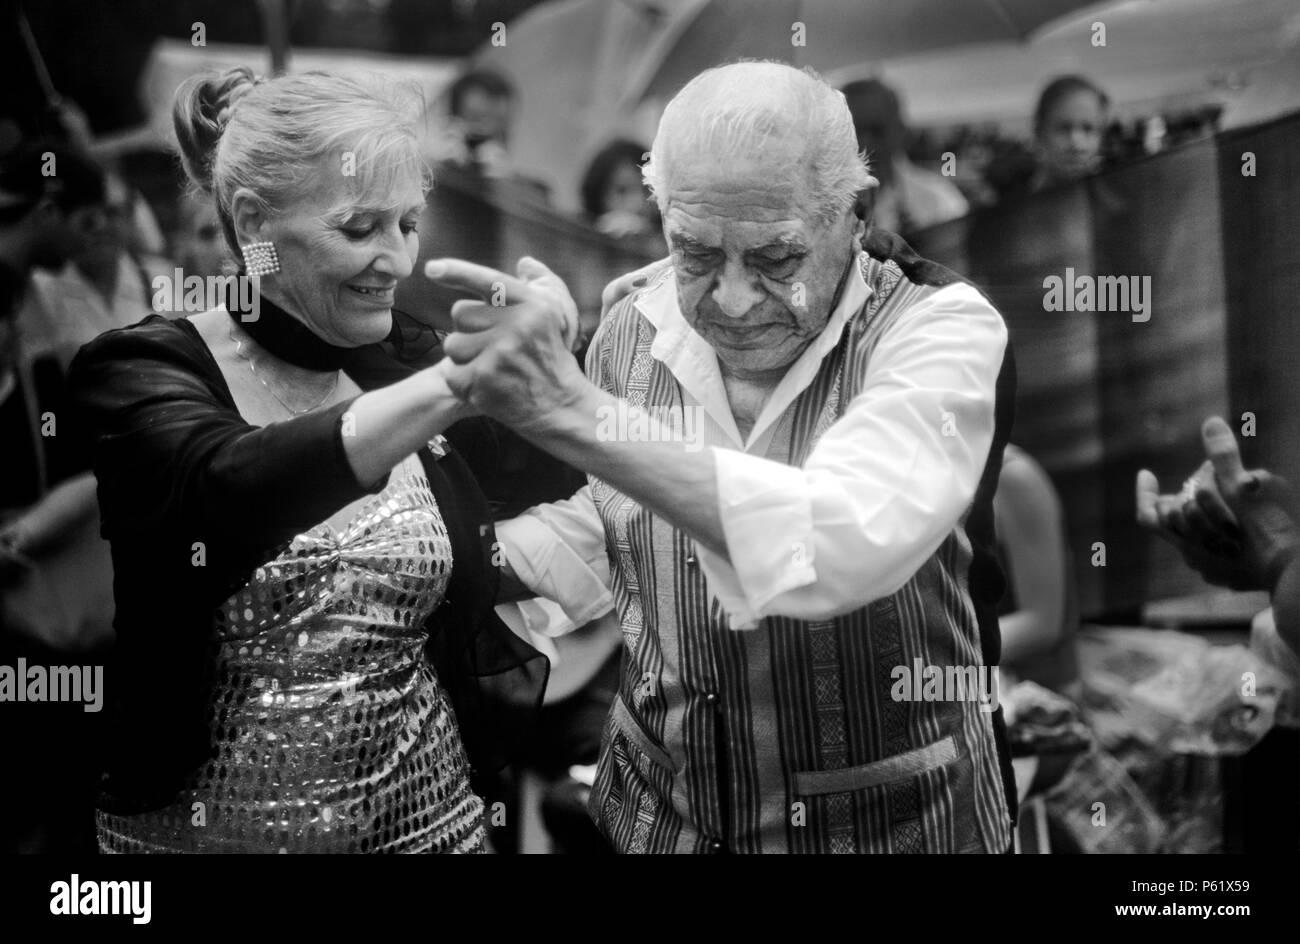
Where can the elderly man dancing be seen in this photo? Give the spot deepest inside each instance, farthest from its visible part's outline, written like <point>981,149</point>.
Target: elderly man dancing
<point>798,597</point>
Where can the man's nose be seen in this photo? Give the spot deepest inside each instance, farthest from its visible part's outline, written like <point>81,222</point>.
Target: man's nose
<point>736,292</point>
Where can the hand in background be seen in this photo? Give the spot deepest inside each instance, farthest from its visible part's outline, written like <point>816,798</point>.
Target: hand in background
<point>1235,528</point>
<point>1264,504</point>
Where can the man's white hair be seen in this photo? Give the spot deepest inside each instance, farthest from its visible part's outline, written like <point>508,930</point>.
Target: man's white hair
<point>740,108</point>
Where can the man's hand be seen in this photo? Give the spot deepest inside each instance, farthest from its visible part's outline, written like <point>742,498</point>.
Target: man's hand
<point>1232,526</point>
<point>510,353</point>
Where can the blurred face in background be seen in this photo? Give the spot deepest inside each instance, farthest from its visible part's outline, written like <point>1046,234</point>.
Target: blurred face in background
<point>877,123</point>
<point>625,193</point>
<point>60,235</point>
<point>52,235</point>
<point>755,278</point>
<point>484,116</point>
<point>107,231</point>
<point>1071,134</point>
<point>200,244</point>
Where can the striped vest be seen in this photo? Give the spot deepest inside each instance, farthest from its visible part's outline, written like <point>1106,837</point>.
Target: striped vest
<point>785,738</point>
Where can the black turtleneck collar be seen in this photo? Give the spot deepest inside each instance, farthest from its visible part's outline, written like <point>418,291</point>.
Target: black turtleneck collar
<point>287,338</point>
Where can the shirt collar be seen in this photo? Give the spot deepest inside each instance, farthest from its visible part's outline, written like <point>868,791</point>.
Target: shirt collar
<point>692,362</point>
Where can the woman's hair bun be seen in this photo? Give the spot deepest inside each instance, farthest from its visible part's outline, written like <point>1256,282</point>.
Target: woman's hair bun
<point>200,113</point>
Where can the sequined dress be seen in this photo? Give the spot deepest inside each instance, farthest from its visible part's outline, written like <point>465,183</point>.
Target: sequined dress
<point>329,728</point>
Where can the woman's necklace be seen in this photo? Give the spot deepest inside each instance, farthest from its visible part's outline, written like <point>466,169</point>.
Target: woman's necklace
<point>239,349</point>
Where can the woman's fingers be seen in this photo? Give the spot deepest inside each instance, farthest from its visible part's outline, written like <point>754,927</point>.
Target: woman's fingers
<point>491,285</point>
<point>530,268</point>
<point>536,284</point>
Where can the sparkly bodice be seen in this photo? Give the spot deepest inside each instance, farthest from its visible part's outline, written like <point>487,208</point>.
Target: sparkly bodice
<point>329,729</point>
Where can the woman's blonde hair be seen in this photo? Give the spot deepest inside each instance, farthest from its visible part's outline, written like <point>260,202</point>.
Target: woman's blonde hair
<point>273,135</point>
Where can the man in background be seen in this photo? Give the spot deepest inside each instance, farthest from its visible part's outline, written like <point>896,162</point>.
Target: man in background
<point>481,106</point>
<point>103,285</point>
<point>910,198</point>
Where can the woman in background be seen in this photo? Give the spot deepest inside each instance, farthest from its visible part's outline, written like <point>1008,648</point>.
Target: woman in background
<point>1069,129</point>
<point>614,197</point>
<point>1070,122</point>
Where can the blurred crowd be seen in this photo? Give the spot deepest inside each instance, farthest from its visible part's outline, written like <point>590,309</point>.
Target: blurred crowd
<point>927,176</point>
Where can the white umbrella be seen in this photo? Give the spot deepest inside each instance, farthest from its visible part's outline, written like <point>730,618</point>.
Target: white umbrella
<point>831,34</point>
<point>589,71</point>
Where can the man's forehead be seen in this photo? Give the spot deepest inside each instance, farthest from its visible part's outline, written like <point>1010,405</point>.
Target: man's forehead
<point>699,196</point>
<point>780,159</point>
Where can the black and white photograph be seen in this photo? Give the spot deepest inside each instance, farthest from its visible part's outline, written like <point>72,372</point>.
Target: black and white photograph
<point>587,427</point>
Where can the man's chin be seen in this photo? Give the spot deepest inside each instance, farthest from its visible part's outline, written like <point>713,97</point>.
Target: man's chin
<point>753,360</point>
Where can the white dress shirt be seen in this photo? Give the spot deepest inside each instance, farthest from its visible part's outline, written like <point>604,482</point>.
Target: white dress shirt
<point>64,310</point>
<point>876,497</point>
<point>918,198</point>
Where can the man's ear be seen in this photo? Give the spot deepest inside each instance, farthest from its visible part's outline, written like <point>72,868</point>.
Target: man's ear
<point>859,225</point>
<point>248,216</point>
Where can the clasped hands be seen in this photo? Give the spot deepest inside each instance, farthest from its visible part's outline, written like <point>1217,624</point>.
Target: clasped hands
<point>1237,528</point>
<point>510,356</point>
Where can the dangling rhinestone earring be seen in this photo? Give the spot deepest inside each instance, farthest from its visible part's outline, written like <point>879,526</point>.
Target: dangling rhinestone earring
<point>261,259</point>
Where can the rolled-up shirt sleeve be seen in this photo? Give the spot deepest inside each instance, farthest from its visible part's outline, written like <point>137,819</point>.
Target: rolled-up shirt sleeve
<point>557,550</point>
<point>884,485</point>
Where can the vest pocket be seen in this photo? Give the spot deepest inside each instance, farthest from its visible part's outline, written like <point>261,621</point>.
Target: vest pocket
<point>627,724</point>
<point>633,780</point>
<point>889,770</point>
<point>922,800</point>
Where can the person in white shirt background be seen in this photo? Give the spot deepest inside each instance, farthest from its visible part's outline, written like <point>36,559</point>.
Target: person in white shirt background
<point>830,528</point>
<point>910,198</point>
<point>104,286</point>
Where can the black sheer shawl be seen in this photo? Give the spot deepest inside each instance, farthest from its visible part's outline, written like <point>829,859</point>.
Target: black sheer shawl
<point>193,499</point>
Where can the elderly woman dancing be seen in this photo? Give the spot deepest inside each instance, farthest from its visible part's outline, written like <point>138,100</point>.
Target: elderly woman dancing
<point>304,573</point>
